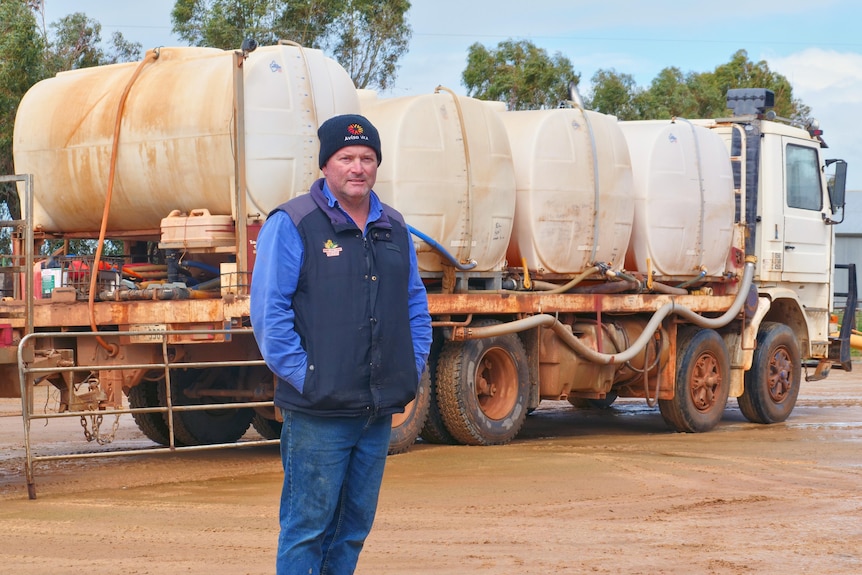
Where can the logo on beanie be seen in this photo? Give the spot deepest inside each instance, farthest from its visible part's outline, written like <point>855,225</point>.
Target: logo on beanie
<point>355,132</point>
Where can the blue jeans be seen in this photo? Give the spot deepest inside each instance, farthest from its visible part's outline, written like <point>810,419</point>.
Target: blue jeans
<point>333,467</point>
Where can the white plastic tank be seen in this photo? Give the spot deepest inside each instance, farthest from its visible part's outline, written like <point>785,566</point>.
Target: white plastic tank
<point>574,190</point>
<point>447,168</point>
<point>684,201</point>
<point>176,147</point>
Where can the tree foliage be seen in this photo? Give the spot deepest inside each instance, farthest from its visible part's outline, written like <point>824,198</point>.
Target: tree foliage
<point>21,57</point>
<point>518,73</point>
<point>75,41</point>
<point>691,95</point>
<point>226,23</point>
<point>31,50</point>
<point>740,72</point>
<point>614,93</point>
<point>367,37</point>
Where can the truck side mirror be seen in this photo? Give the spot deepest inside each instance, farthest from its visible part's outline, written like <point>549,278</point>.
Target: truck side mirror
<point>836,184</point>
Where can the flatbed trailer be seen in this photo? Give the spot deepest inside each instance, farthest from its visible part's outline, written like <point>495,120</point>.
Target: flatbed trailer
<point>184,363</point>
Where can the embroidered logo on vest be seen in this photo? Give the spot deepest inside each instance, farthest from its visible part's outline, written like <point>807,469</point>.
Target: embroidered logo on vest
<point>331,249</point>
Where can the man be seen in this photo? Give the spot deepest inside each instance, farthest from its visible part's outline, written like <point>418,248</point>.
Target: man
<point>341,317</point>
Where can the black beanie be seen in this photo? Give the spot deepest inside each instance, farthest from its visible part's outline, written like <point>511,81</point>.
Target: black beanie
<point>347,130</point>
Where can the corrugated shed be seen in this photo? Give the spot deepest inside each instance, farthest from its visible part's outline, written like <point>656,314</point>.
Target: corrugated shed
<point>852,224</point>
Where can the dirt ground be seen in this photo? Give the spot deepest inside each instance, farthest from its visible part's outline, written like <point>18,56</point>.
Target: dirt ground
<point>578,492</point>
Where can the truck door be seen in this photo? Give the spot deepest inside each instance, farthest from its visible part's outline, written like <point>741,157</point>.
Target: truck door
<point>807,238</point>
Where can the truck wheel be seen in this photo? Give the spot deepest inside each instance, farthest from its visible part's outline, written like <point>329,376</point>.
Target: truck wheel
<point>406,426</point>
<point>772,383</point>
<point>146,394</point>
<point>434,430</point>
<point>702,382</point>
<point>208,426</point>
<point>266,427</point>
<point>483,388</point>
<point>265,421</point>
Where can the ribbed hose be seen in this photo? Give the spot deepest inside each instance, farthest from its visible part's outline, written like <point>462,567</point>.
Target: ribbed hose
<point>565,332</point>
<point>572,283</point>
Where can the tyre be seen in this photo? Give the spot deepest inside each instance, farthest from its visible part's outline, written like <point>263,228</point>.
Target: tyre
<point>772,383</point>
<point>434,430</point>
<point>205,427</point>
<point>483,388</point>
<point>702,382</point>
<point>406,426</point>
<point>266,427</point>
<point>146,394</point>
<point>265,420</point>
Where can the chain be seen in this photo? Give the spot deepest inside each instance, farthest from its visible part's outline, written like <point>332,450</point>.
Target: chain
<point>96,435</point>
<point>87,435</point>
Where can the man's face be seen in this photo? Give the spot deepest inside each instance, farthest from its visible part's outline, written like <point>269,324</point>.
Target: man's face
<point>351,173</point>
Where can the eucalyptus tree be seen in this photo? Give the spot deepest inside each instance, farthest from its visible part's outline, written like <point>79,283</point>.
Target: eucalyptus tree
<point>518,73</point>
<point>367,37</point>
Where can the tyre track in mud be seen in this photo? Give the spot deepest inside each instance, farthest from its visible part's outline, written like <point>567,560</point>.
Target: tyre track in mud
<point>599,492</point>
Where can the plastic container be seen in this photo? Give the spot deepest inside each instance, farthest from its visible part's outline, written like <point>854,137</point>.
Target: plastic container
<point>447,168</point>
<point>197,229</point>
<point>50,278</point>
<point>37,280</point>
<point>176,146</point>
<point>76,272</point>
<point>574,180</point>
<point>684,200</point>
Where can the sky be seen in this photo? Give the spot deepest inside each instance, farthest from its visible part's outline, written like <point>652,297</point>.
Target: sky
<point>816,45</point>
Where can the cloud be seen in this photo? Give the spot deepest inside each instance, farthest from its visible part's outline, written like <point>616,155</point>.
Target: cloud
<point>830,82</point>
<point>836,76</point>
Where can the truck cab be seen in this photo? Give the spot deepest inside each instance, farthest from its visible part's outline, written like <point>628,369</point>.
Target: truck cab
<point>789,196</point>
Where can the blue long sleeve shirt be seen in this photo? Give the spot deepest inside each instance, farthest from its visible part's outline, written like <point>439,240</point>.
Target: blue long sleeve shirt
<point>275,279</point>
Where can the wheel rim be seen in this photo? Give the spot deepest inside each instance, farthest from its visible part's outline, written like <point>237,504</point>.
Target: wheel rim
<point>705,382</point>
<point>399,418</point>
<point>778,378</point>
<point>496,384</point>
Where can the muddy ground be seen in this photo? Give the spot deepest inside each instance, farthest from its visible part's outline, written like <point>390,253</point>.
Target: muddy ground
<point>578,492</point>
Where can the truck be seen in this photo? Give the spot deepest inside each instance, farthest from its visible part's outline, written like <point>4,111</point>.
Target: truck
<point>567,255</point>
